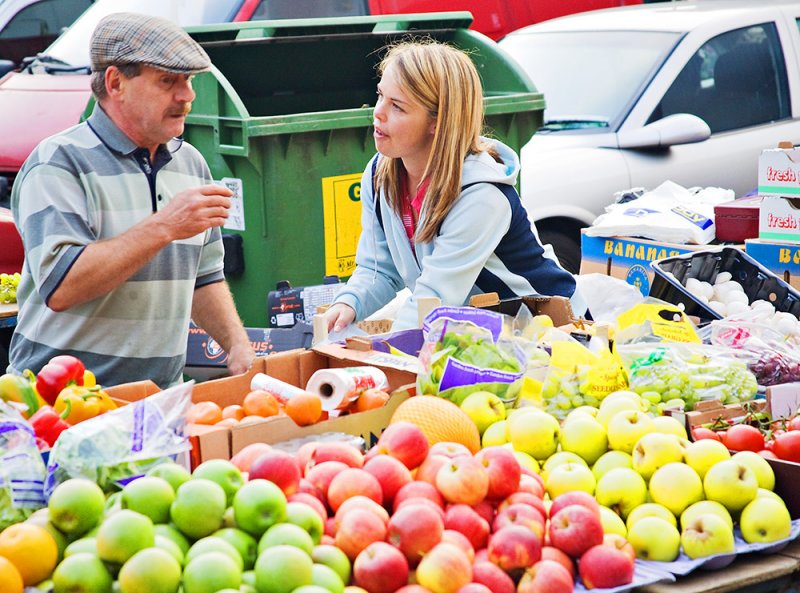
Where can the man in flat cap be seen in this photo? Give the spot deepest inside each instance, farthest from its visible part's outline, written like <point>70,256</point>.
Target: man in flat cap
<point>120,221</point>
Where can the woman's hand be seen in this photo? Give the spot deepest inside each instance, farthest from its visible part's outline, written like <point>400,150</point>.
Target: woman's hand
<point>339,316</point>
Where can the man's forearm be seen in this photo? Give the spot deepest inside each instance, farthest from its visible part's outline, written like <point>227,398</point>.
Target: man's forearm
<point>213,309</point>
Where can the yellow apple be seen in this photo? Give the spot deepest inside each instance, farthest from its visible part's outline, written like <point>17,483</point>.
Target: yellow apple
<point>585,437</point>
<point>676,486</point>
<point>651,509</point>
<point>703,454</point>
<point>610,460</point>
<point>626,428</point>
<point>653,538</point>
<point>760,466</point>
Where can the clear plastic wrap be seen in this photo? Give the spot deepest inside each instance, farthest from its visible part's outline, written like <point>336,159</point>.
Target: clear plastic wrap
<point>689,372</point>
<point>121,445</point>
<point>22,470</point>
<point>464,352</point>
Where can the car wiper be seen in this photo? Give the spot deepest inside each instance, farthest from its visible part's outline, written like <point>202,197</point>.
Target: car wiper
<point>51,64</point>
<point>574,123</point>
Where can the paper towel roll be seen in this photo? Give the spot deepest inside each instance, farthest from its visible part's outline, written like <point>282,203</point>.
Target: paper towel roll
<point>282,390</point>
<point>338,388</point>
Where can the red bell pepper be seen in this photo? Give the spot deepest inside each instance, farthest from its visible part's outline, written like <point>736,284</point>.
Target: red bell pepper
<point>48,424</point>
<point>57,374</point>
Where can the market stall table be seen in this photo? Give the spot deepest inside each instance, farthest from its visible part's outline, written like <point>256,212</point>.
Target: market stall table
<point>751,573</point>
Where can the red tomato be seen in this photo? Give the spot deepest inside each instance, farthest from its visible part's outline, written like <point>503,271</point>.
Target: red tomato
<point>794,423</point>
<point>767,454</point>
<point>743,437</point>
<point>700,432</point>
<point>787,446</point>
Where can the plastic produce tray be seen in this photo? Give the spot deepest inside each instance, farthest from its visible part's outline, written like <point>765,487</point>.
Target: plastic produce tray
<point>758,282</point>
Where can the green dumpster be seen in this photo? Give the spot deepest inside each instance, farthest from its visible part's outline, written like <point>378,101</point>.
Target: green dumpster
<point>287,110</point>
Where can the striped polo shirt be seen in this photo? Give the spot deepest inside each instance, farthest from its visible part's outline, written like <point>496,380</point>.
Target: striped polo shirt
<point>90,183</point>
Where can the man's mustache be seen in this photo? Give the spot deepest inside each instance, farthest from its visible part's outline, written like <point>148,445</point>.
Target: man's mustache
<point>183,111</point>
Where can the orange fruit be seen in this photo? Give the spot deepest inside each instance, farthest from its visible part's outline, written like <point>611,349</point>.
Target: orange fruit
<point>260,403</point>
<point>227,422</point>
<point>31,549</point>
<point>304,408</point>
<point>233,411</point>
<point>440,420</point>
<point>369,399</point>
<point>10,577</point>
<point>204,413</point>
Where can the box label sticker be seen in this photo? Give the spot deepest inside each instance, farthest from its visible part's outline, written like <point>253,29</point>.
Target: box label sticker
<point>235,220</point>
<point>341,203</point>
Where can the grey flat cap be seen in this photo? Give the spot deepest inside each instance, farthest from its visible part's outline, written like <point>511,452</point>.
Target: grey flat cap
<point>131,38</point>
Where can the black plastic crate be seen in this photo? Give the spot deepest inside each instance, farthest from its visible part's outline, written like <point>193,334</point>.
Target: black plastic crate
<point>758,282</point>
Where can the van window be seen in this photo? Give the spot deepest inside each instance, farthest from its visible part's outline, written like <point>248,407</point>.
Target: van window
<point>297,9</point>
<point>735,80</point>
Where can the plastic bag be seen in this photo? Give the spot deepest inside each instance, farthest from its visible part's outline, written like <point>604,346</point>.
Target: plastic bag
<point>768,356</point>
<point>670,371</point>
<point>22,470</point>
<point>121,445</point>
<point>668,213</point>
<point>464,352</point>
<point>579,377</point>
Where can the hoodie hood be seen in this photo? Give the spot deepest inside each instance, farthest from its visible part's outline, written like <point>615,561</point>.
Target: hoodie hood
<point>482,168</point>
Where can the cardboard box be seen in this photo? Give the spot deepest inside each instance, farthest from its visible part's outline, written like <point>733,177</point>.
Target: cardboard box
<point>782,259</point>
<point>295,367</point>
<point>558,308</point>
<point>205,358</point>
<point>779,219</point>
<point>779,172</point>
<point>713,410</point>
<point>627,258</point>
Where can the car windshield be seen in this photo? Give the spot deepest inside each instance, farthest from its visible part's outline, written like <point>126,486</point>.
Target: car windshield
<point>589,78</point>
<point>72,48</point>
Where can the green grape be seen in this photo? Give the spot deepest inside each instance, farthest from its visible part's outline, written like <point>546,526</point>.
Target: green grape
<point>8,288</point>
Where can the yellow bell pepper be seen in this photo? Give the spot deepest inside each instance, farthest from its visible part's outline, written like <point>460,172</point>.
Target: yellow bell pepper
<point>89,380</point>
<point>21,389</point>
<point>82,403</point>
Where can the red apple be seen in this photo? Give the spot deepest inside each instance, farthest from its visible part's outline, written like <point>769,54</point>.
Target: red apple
<point>428,469</point>
<point>457,538</point>
<point>574,529</point>
<point>474,588</point>
<point>335,451</point>
<point>424,501</point>
<point>491,575</point>
<point>525,498</point>
<point>361,502</point>
<point>417,489</point>
<point>552,553</point>
<point>514,548</point>
<point>327,540</point>
<point>405,441</point>
<point>527,483</point>
<point>380,568</point>
<point>486,510</point>
<point>320,476</point>
<point>413,589</point>
<point>464,519</point>
<point>520,514</point>
<point>463,480</point>
<point>353,482</point>
<point>311,501</point>
<point>503,469</point>
<point>330,527</point>
<point>390,473</point>
<point>604,567</point>
<point>575,497</point>
<point>306,487</point>
<point>358,529</point>
<point>444,569</point>
<point>278,467</point>
<point>620,542</point>
<point>449,449</point>
<point>303,455</point>
<point>546,576</point>
<point>248,454</point>
<point>414,529</point>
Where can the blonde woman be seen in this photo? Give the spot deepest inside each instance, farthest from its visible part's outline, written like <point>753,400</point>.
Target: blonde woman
<point>440,214</point>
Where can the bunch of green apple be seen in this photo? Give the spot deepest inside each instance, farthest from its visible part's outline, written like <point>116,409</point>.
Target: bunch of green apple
<point>202,532</point>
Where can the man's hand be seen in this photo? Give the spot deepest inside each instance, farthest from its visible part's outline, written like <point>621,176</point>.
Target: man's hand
<point>193,211</point>
<point>240,358</point>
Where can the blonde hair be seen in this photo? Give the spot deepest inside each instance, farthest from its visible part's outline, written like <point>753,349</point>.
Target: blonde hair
<point>445,82</point>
